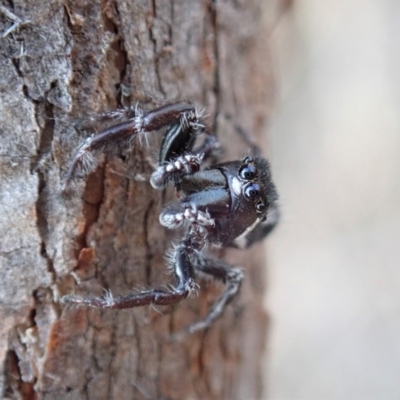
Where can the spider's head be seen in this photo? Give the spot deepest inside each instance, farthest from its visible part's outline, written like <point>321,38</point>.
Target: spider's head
<point>251,187</point>
<point>256,184</point>
<point>251,193</point>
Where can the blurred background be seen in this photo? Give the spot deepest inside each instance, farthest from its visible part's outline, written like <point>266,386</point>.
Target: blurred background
<point>334,261</point>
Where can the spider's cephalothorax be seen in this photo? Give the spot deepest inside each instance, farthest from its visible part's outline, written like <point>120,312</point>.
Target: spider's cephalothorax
<point>228,204</point>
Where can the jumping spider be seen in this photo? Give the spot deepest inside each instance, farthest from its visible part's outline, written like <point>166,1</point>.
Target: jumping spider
<point>228,204</point>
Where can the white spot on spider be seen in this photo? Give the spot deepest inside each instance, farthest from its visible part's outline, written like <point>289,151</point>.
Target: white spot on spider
<point>140,123</point>
<point>138,120</point>
<point>193,288</point>
<point>145,121</point>
<point>205,219</point>
<point>236,186</point>
<point>108,297</point>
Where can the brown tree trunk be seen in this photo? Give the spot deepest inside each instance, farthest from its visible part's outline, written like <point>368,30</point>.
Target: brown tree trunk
<point>61,61</point>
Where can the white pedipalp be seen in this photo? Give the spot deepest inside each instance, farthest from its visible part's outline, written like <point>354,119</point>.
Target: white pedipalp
<point>236,186</point>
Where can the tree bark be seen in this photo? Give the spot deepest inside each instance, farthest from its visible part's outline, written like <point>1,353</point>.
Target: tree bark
<point>63,61</point>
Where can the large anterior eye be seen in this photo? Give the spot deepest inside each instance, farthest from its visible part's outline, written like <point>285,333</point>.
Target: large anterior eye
<point>252,191</point>
<point>247,172</point>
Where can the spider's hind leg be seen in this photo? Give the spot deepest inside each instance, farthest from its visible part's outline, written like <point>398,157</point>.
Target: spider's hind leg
<point>231,276</point>
<point>183,271</point>
<point>246,136</point>
<point>263,229</point>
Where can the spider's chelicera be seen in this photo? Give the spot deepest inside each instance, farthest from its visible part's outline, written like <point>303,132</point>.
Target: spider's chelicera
<point>227,204</point>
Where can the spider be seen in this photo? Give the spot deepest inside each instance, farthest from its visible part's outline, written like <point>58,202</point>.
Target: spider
<point>228,204</point>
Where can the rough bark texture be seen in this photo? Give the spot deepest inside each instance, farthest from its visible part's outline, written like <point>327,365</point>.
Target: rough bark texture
<point>70,59</point>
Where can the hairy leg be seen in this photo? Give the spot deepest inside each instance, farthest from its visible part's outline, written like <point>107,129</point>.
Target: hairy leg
<point>182,116</point>
<point>231,276</point>
<point>185,285</point>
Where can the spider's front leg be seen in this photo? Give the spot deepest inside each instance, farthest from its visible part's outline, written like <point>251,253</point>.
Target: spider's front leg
<point>181,118</point>
<point>185,284</point>
<point>112,116</point>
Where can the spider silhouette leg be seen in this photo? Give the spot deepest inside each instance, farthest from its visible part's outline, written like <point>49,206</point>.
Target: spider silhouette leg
<point>183,270</point>
<point>231,276</point>
<point>181,118</point>
<point>263,228</point>
<point>118,115</point>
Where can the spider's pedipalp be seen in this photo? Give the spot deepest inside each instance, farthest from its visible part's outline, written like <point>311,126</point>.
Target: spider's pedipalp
<point>183,165</point>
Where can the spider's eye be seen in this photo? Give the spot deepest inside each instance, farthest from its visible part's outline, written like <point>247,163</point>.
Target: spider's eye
<point>252,191</point>
<point>247,160</point>
<point>260,207</point>
<point>247,172</point>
